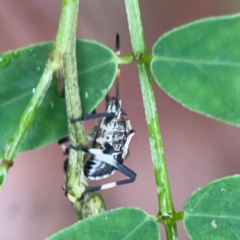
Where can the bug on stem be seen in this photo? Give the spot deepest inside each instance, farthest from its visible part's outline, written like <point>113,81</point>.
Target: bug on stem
<point>109,143</point>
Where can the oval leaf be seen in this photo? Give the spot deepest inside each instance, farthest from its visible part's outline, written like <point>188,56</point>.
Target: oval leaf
<point>199,66</point>
<point>122,223</point>
<point>20,71</point>
<point>213,211</point>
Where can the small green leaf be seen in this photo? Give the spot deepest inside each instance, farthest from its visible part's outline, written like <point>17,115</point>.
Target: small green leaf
<point>199,66</point>
<point>212,212</point>
<point>122,223</point>
<point>20,71</point>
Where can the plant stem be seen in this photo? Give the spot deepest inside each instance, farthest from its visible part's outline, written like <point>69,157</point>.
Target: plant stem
<point>62,41</point>
<point>62,60</point>
<point>125,59</point>
<point>142,57</point>
<point>28,115</point>
<point>178,216</point>
<point>67,33</point>
<point>75,179</point>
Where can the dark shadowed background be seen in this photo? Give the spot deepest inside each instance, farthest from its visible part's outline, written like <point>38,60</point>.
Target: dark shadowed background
<point>198,149</point>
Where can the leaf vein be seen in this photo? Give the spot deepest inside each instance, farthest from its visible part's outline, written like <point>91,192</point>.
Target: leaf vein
<point>211,216</point>
<point>195,62</point>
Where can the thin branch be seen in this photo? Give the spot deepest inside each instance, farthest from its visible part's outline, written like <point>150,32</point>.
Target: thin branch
<point>160,170</point>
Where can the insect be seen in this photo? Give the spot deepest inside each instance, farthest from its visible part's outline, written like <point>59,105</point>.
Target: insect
<point>109,143</point>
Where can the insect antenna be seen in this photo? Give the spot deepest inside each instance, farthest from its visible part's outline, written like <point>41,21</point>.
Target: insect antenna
<point>117,44</point>
<point>117,53</point>
<point>118,72</point>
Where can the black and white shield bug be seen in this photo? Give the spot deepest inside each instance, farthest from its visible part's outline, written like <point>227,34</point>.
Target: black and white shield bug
<point>109,144</point>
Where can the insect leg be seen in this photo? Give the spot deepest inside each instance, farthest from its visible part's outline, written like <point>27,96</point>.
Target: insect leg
<point>92,116</point>
<point>63,146</point>
<point>121,168</point>
<point>98,154</point>
<point>65,152</point>
<point>63,140</point>
<point>65,166</point>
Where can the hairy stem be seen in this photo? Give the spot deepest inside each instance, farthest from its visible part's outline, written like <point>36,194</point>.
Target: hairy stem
<point>75,180</point>
<point>13,146</point>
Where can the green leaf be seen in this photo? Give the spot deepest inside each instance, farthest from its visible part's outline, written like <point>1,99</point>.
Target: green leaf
<point>122,223</point>
<point>212,212</point>
<point>199,66</point>
<point>20,71</point>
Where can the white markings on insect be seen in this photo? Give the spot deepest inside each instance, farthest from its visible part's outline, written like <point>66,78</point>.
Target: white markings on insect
<point>109,148</point>
<point>108,185</point>
<point>33,90</point>
<point>99,178</point>
<point>98,154</point>
<point>63,146</point>
<point>52,104</point>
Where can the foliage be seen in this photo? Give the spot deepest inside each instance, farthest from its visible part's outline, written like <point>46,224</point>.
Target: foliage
<point>122,223</point>
<point>17,87</point>
<point>197,64</point>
